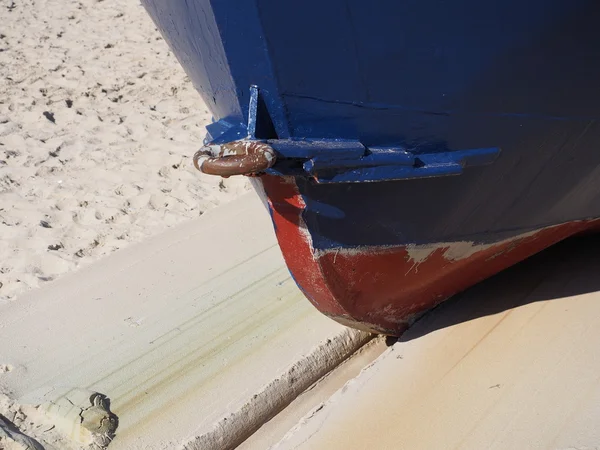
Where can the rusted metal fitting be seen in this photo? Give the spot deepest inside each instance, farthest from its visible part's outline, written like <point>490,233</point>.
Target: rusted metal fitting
<point>243,157</point>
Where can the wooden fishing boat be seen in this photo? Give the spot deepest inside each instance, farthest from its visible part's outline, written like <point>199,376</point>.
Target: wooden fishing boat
<point>407,149</point>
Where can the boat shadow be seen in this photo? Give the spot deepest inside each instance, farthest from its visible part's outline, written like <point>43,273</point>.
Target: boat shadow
<point>567,269</point>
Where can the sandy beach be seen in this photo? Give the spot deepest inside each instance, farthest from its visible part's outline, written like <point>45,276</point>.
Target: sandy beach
<point>98,123</point>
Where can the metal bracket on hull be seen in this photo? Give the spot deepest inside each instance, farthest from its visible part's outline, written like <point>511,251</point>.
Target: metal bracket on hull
<point>330,160</point>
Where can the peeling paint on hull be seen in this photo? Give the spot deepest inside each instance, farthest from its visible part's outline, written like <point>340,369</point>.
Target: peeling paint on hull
<point>352,246</point>
<point>383,289</point>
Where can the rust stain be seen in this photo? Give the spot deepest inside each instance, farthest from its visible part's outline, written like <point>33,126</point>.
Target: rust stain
<point>241,157</point>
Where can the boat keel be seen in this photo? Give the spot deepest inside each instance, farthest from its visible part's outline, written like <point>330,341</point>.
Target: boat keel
<point>384,289</point>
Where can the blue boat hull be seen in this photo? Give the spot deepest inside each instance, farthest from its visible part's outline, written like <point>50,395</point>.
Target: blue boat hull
<point>374,247</point>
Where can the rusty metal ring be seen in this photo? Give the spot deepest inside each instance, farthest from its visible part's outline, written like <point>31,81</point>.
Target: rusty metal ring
<point>242,157</point>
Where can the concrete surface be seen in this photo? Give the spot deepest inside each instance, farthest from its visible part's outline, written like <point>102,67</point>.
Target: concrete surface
<point>513,363</point>
<point>196,336</point>
<point>276,428</point>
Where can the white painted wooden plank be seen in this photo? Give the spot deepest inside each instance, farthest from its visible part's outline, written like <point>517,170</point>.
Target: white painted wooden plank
<point>181,332</point>
<point>513,364</point>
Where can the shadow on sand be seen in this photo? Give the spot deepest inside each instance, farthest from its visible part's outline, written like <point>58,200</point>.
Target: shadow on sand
<point>569,268</point>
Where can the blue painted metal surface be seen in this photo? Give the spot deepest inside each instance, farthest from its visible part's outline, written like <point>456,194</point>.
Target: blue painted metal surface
<point>343,161</point>
<point>353,92</point>
<point>332,161</point>
<point>424,75</point>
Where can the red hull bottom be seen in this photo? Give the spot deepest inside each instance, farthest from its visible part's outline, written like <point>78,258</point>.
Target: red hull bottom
<point>384,290</point>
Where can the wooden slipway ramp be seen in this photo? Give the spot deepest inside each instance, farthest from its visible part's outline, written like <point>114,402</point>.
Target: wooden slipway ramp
<point>191,339</point>
<point>513,363</point>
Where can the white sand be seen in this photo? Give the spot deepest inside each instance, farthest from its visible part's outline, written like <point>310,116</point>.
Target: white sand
<point>115,166</point>
<point>25,428</point>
